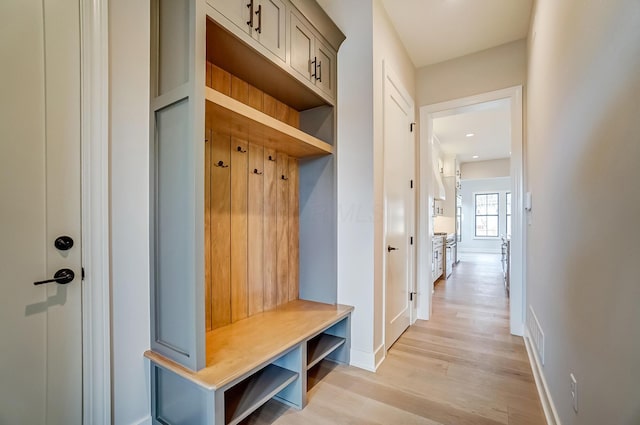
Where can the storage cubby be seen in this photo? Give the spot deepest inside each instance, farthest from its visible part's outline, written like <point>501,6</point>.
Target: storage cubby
<point>245,397</point>
<point>328,344</point>
<point>281,379</point>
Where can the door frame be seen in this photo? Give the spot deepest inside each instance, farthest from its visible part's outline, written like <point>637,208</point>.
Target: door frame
<point>94,147</point>
<point>517,293</point>
<point>389,76</point>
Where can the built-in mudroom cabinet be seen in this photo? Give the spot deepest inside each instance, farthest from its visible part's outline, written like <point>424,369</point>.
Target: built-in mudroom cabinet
<point>243,172</point>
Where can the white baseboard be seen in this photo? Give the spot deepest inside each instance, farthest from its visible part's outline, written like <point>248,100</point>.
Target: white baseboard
<point>379,355</point>
<point>363,359</point>
<point>549,408</point>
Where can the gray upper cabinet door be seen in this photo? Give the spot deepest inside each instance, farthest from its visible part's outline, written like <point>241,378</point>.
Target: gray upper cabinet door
<point>237,11</point>
<point>312,58</point>
<point>326,68</point>
<point>269,26</point>
<point>302,48</point>
<point>263,20</point>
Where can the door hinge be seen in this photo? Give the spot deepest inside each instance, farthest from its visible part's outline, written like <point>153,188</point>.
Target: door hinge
<point>411,184</point>
<point>411,127</point>
<point>411,294</point>
<point>411,240</point>
<point>82,273</point>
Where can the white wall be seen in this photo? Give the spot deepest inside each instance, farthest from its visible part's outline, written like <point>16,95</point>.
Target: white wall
<point>485,71</point>
<point>584,173</point>
<point>389,53</point>
<point>471,243</point>
<point>485,169</point>
<point>129,83</point>
<point>355,172</point>
<point>360,164</point>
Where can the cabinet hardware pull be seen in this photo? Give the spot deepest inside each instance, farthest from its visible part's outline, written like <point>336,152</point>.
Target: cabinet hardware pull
<point>255,171</point>
<point>271,158</point>
<point>314,62</point>
<point>284,178</point>
<point>250,21</point>
<point>221,164</point>
<point>259,13</point>
<point>319,78</point>
<point>241,150</point>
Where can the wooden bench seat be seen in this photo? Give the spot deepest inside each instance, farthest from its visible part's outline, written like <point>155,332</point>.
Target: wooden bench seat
<point>264,355</point>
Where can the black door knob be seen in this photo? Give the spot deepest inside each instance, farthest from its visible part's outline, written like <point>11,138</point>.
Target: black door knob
<point>63,243</point>
<point>62,276</point>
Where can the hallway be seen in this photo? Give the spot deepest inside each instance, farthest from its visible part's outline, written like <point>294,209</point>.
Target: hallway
<point>460,368</point>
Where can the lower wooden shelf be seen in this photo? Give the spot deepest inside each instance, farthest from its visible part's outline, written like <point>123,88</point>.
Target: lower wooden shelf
<point>320,347</point>
<point>246,396</point>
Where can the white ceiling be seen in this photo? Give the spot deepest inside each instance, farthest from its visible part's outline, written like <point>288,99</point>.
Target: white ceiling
<point>489,121</point>
<point>438,30</point>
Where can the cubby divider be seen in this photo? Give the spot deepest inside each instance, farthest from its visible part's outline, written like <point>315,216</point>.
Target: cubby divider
<point>252,392</point>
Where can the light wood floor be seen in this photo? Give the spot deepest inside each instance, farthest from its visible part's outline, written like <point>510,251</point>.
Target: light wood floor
<point>461,368</point>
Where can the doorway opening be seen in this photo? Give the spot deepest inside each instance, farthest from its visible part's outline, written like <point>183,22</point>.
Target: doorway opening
<point>477,220</point>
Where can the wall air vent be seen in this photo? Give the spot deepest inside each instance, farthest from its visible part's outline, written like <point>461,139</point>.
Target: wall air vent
<point>535,331</point>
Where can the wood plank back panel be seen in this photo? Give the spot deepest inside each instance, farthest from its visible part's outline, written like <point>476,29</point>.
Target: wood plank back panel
<point>224,82</point>
<point>256,98</point>
<point>251,218</point>
<point>294,230</point>
<point>239,90</point>
<point>255,223</point>
<point>220,230</point>
<point>270,233</point>
<point>270,106</point>
<point>282,226</point>
<point>208,139</point>
<point>208,79</point>
<point>207,227</point>
<point>239,186</point>
<point>220,80</point>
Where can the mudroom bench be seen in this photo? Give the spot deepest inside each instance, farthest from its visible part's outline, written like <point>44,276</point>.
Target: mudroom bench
<point>250,362</point>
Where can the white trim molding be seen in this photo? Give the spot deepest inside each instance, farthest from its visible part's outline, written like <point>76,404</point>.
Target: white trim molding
<point>363,360</point>
<point>550,412</point>
<point>96,335</point>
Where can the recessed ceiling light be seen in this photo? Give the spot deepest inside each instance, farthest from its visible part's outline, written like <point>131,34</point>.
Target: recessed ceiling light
<point>471,134</point>
<point>475,157</point>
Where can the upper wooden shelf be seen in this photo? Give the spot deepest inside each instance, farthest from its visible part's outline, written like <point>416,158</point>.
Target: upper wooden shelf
<point>247,123</point>
<point>233,351</point>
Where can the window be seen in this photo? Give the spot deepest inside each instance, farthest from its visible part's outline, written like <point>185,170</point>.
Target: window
<point>487,214</point>
<point>508,220</point>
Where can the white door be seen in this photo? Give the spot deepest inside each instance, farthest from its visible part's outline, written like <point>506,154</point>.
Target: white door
<point>40,325</point>
<point>398,172</point>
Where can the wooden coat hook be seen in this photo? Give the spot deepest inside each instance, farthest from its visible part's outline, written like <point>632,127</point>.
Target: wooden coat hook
<point>241,150</point>
<point>221,164</point>
<point>255,171</point>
